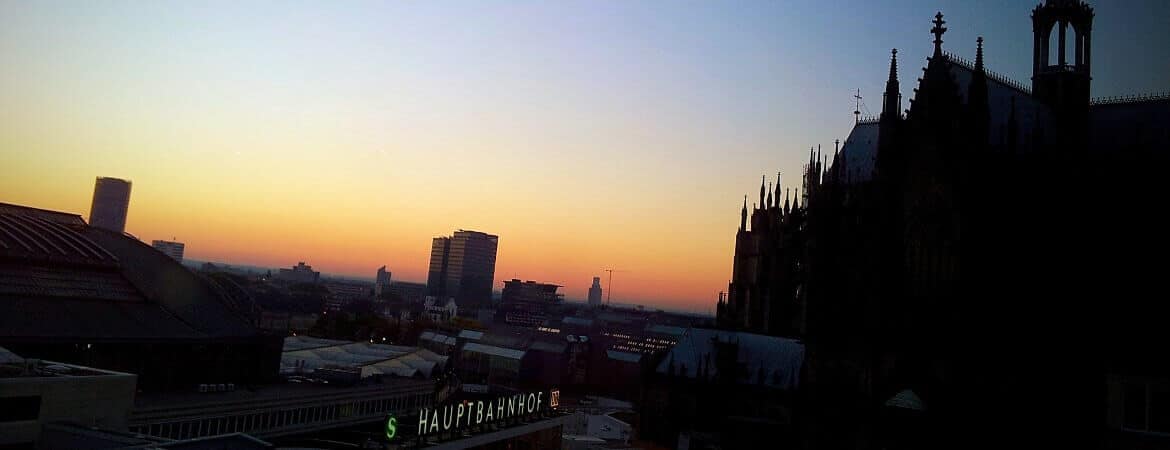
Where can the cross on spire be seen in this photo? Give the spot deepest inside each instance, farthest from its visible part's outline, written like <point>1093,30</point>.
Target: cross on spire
<point>938,31</point>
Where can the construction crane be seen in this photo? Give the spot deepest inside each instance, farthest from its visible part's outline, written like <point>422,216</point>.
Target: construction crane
<point>609,287</point>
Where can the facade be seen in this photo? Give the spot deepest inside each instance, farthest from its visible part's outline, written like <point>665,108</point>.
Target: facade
<point>409,292</point>
<point>169,248</point>
<point>927,264</point>
<point>111,202</point>
<point>440,311</point>
<point>298,274</point>
<point>595,292</point>
<point>382,282</point>
<point>463,266</point>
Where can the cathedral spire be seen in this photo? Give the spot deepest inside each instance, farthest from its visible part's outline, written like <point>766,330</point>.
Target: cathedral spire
<point>892,103</point>
<point>787,201</point>
<point>979,54</point>
<point>763,180</point>
<point>743,215</point>
<point>778,179</point>
<point>977,99</point>
<point>769,203</point>
<point>938,31</point>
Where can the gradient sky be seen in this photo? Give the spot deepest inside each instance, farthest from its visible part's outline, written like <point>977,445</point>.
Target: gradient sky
<point>586,134</point>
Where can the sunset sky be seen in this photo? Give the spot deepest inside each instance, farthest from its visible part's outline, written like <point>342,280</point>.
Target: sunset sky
<point>587,135</point>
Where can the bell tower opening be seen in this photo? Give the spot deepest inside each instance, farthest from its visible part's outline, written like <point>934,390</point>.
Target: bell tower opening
<point>1061,64</point>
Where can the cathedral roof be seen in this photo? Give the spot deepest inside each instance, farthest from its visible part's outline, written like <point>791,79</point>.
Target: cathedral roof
<point>1001,91</point>
<point>859,151</point>
<point>1129,122</point>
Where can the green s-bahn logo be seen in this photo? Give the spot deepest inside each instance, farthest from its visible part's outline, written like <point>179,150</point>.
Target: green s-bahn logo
<point>391,427</point>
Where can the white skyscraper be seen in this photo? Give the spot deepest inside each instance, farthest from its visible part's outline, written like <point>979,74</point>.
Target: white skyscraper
<point>170,248</point>
<point>595,292</point>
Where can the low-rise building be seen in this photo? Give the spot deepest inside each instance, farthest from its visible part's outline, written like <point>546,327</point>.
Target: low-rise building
<point>298,274</point>
<point>34,393</point>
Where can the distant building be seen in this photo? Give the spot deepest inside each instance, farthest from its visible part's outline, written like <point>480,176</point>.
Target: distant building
<point>342,293</point>
<point>595,292</point>
<point>382,282</point>
<point>111,202</point>
<point>516,291</point>
<point>441,311</point>
<point>169,248</point>
<point>463,266</point>
<point>526,303</point>
<point>299,273</point>
<point>409,292</point>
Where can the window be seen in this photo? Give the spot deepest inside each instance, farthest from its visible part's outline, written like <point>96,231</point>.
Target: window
<point>20,408</point>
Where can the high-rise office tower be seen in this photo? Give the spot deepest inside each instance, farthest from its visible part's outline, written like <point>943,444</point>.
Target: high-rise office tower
<point>595,292</point>
<point>463,266</point>
<point>170,248</point>
<point>382,282</point>
<point>111,201</point>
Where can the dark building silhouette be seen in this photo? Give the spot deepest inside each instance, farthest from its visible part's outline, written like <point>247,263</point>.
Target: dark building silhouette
<point>595,292</point>
<point>463,266</point>
<point>111,202</point>
<point>79,294</point>
<point>973,270</point>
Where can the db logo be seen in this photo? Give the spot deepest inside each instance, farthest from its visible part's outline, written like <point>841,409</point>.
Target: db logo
<point>554,398</point>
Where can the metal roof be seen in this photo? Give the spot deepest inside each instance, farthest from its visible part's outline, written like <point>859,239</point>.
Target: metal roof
<point>623,356</point>
<point>63,280</point>
<point>493,350</point>
<point>471,334</point>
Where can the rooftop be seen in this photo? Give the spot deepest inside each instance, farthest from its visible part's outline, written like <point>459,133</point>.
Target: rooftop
<point>493,350</point>
<point>13,366</point>
<point>304,354</point>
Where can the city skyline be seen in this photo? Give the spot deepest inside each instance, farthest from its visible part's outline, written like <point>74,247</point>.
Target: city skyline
<point>250,154</point>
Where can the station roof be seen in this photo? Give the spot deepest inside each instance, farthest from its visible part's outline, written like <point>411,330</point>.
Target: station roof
<point>62,280</point>
<point>308,354</point>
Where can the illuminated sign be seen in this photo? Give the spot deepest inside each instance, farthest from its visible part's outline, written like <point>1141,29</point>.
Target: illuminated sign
<point>554,398</point>
<point>391,427</point>
<point>479,412</point>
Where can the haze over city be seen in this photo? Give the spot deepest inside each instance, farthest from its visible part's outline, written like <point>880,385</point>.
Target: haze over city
<point>586,135</point>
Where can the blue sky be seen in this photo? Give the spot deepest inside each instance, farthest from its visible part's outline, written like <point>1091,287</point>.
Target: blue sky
<point>635,126</point>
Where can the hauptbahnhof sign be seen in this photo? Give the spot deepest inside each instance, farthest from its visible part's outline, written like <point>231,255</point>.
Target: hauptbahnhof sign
<point>479,413</point>
<point>468,414</point>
